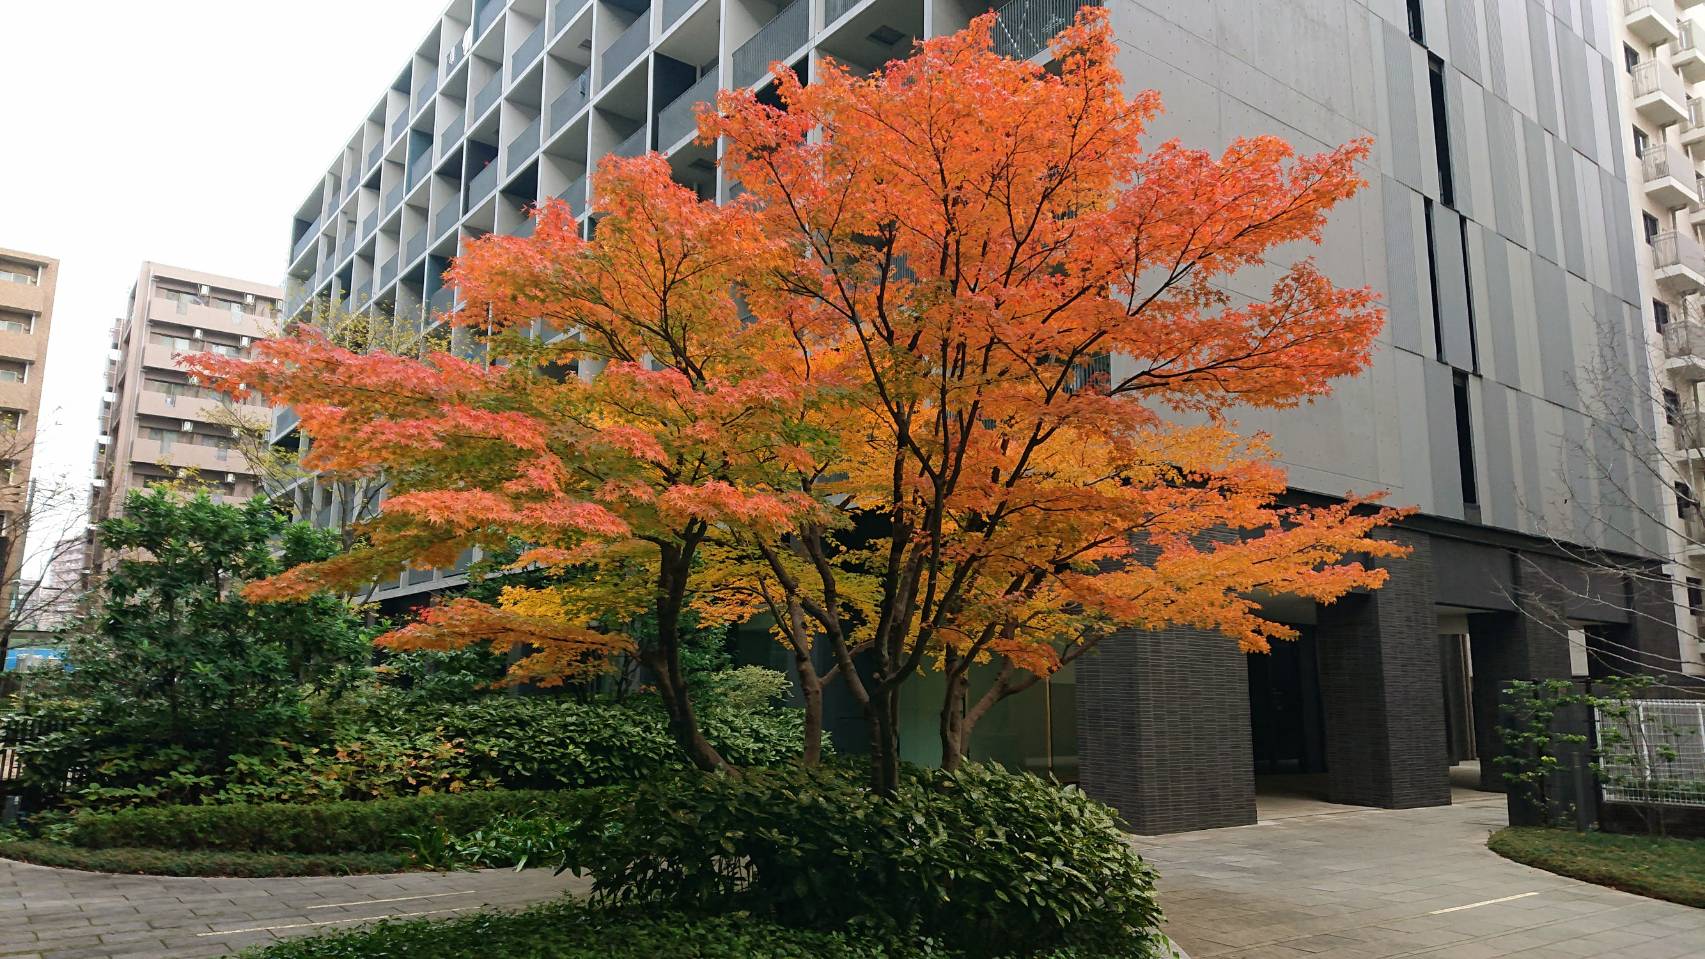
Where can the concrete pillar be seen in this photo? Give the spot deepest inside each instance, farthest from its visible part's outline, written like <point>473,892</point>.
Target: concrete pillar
<point>1381,689</point>
<point>1530,643</point>
<point>1163,730</point>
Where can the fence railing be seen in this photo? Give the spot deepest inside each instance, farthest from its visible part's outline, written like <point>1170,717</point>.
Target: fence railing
<point>626,48</point>
<point>569,101</point>
<point>1023,28</point>
<point>784,34</point>
<point>1684,338</point>
<point>1657,752</point>
<point>678,119</point>
<point>19,731</point>
<point>522,148</point>
<point>528,51</point>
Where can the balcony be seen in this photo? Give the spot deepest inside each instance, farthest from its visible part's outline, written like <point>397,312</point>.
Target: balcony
<point>454,57</point>
<point>674,10</point>
<point>626,48</point>
<point>522,148</point>
<point>487,96</point>
<point>1653,21</point>
<point>678,120</point>
<point>1024,28</point>
<point>308,237</point>
<point>452,135</point>
<point>1669,176</point>
<point>393,199</point>
<point>1689,430</point>
<point>1684,350</point>
<point>373,156</point>
<point>636,144</point>
<point>284,419</point>
<point>528,51</point>
<point>778,40</point>
<point>1678,263</point>
<point>213,459</point>
<point>442,302</point>
<point>575,197</point>
<point>1688,58</point>
<point>415,246</point>
<point>569,102</point>
<point>487,16</point>
<point>444,219</point>
<point>428,86</point>
<point>363,295</point>
<point>482,184</point>
<point>398,126</point>
<point>1659,94</point>
<point>369,224</point>
<point>1693,130</point>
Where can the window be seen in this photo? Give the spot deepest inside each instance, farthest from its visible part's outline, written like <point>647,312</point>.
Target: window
<point>1660,309</point>
<point>1641,142</point>
<point>1672,407</point>
<point>1695,595</point>
<point>1417,30</point>
<point>14,371</point>
<point>11,420</point>
<point>1630,58</point>
<point>1685,504</point>
<point>12,321</point>
<point>24,273</point>
<point>1441,131</point>
<point>1649,224</point>
<point>1433,281</point>
<point>1465,440</point>
<point>1468,288</point>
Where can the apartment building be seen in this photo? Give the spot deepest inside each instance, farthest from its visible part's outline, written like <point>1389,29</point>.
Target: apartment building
<point>1494,224</point>
<point>27,286</point>
<point>1663,59</point>
<point>156,425</point>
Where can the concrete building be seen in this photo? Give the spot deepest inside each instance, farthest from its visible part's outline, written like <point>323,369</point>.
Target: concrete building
<point>1494,223</point>
<point>27,286</point>
<point>1663,59</point>
<point>156,425</point>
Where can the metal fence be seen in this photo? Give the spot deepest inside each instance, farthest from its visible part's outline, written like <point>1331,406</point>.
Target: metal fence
<point>17,731</point>
<point>1023,28</point>
<point>1655,754</point>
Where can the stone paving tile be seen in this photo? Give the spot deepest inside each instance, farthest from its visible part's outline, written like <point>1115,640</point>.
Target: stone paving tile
<point>1351,883</point>
<point>62,914</point>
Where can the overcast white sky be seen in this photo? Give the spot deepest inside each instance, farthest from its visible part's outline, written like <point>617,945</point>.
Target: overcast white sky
<point>180,131</point>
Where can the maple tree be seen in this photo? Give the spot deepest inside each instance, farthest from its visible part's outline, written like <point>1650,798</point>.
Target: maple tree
<point>948,385</point>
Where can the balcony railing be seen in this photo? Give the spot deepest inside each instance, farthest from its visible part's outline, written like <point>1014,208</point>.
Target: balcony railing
<point>388,272</point>
<point>1651,77</point>
<point>373,156</point>
<point>442,301</point>
<point>562,12</point>
<point>428,86</point>
<point>1023,28</point>
<point>486,16</point>
<point>284,419</point>
<point>482,184</point>
<point>369,223</point>
<point>456,55</point>
<point>394,198</point>
<point>575,196</point>
<point>445,217</point>
<point>362,294</point>
<point>1666,160</point>
<point>678,119</point>
<point>674,9</point>
<point>415,246</point>
<point>452,134</point>
<point>301,245</point>
<point>522,148</point>
<point>636,143</point>
<point>1684,338</point>
<point>780,37</point>
<point>417,170</point>
<point>398,126</point>
<point>1689,430</point>
<point>569,101</point>
<point>487,95</point>
<point>835,9</point>
<point>627,47</point>
<point>528,51</point>
<point>1676,251</point>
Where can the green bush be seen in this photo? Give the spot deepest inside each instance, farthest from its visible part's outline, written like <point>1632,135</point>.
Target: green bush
<point>982,858</point>
<point>172,862</point>
<point>377,826</point>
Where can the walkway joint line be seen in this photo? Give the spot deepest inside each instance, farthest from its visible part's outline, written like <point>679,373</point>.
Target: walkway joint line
<point>332,922</point>
<point>374,902</point>
<point>1477,905</point>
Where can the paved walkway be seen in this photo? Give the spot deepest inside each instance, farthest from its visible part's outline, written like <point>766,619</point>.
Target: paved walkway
<point>1342,882</point>
<point>62,914</point>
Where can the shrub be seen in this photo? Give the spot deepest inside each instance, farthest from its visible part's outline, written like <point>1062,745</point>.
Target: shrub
<point>378,826</point>
<point>981,858</point>
<point>173,862</point>
<point>568,931</point>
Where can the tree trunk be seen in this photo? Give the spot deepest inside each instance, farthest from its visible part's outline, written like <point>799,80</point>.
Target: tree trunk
<point>952,723</point>
<point>882,716</point>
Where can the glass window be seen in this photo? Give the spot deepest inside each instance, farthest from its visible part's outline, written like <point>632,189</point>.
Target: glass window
<point>19,273</point>
<point>14,371</point>
<point>12,321</point>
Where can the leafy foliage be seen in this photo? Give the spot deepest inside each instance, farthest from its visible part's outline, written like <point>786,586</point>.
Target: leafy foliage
<point>987,860</point>
<point>175,673</point>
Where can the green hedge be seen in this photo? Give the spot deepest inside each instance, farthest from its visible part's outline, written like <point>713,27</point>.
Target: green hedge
<point>567,931</point>
<point>172,862</point>
<point>376,826</point>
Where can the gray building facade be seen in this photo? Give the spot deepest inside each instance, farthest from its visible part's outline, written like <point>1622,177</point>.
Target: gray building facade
<point>1495,224</point>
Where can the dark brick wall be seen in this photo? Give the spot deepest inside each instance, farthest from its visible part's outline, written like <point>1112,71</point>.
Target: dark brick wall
<point>1163,730</point>
<point>1380,685</point>
<point>1531,643</point>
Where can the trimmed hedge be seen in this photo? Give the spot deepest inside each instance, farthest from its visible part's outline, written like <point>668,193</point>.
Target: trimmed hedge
<point>332,828</point>
<point>171,862</point>
<point>568,931</point>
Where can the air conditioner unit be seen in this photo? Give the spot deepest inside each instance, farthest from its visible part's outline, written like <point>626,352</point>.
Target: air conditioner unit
<point>187,427</point>
<point>231,478</point>
<point>248,299</point>
<point>206,290</point>
<point>244,342</point>
<point>195,335</point>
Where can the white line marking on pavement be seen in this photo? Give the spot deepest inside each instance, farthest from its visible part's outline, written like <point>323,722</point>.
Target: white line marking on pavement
<point>1477,905</point>
<point>374,902</point>
<point>333,922</point>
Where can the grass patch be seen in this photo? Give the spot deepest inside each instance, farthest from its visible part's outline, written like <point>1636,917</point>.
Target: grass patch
<point>1662,868</point>
<point>565,930</point>
<point>175,862</point>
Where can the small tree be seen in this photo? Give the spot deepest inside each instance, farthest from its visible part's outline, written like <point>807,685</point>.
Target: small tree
<point>174,671</point>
